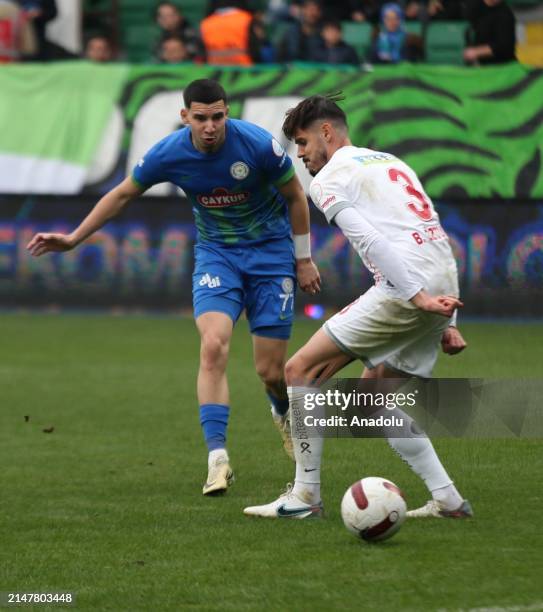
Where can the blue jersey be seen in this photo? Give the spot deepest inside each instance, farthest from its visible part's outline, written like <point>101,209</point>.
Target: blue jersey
<point>232,191</point>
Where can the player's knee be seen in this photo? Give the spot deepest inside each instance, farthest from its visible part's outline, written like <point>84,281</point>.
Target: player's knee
<point>271,374</point>
<point>213,352</point>
<point>294,371</point>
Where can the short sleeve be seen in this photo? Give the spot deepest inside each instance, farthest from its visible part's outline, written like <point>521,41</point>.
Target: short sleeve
<point>329,194</point>
<point>276,164</point>
<point>148,171</point>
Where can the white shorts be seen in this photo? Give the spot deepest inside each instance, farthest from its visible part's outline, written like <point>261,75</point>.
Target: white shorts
<point>379,329</point>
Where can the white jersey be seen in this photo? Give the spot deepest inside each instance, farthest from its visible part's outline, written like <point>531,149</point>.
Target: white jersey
<point>388,195</point>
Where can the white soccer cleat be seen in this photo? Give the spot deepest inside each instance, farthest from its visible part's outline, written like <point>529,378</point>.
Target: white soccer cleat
<point>283,425</point>
<point>220,476</point>
<point>287,505</point>
<point>433,509</point>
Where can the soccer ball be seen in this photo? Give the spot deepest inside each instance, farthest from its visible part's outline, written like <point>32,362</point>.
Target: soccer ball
<point>373,509</point>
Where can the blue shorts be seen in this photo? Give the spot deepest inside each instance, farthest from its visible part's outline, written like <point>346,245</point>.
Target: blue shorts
<point>259,278</point>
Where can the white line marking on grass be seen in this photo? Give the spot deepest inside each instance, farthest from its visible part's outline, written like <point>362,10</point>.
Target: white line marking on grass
<point>529,608</point>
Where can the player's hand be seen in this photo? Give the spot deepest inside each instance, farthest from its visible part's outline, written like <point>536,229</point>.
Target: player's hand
<point>308,276</point>
<point>452,341</point>
<point>47,243</point>
<point>443,305</point>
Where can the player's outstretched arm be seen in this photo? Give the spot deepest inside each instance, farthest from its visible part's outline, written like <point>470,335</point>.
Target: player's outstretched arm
<point>107,207</point>
<point>306,271</point>
<point>369,242</point>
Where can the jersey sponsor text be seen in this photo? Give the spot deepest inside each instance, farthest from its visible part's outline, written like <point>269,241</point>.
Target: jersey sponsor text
<point>221,197</point>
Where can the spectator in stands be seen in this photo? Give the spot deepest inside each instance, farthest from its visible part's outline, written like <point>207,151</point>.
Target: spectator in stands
<point>303,38</point>
<point>261,48</point>
<point>333,49</point>
<point>213,5</point>
<point>172,22</point>
<point>39,13</point>
<point>17,38</point>
<point>173,50</point>
<point>370,11</point>
<point>491,36</point>
<point>98,49</point>
<point>390,44</point>
<point>226,33</point>
<point>340,10</point>
<point>282,10</point>
<point>444,10</point>
<point>352,10</point>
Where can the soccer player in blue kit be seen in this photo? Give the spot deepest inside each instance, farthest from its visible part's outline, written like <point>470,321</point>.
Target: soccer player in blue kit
<point>247,201</point>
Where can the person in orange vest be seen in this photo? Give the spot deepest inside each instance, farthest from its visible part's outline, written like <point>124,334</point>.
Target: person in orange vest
<point>226,34</point>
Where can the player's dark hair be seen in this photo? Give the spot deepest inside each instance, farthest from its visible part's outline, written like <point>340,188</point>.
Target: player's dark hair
<point>312,109</point>
<point>205,91</point>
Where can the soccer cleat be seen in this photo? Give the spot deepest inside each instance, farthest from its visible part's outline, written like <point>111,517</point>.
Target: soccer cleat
<point>220,476</point>
<point>287,505</point>
<point>433,509</point>
<point>282,422</point>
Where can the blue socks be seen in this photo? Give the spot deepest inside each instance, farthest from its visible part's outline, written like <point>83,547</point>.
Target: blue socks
<point>214,420</point>
<point>280,406</point>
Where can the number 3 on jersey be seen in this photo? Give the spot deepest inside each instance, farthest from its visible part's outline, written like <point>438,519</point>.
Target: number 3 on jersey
<point>424,211</point>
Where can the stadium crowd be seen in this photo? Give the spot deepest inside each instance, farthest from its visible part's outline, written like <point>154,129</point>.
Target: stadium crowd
<point>237,33</point>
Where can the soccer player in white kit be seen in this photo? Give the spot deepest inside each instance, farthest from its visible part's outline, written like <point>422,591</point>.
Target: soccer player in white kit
<point>396,327</point>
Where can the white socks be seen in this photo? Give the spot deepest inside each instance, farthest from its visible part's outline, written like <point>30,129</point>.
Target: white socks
<point>448,497</point>
<point>307,451</point>
<point>415,449</point>
<point>215,455</point>
<point>418,452</point>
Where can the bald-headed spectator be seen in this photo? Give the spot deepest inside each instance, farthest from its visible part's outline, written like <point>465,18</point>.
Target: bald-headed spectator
<point>173,50</point>
<point>98,49</point>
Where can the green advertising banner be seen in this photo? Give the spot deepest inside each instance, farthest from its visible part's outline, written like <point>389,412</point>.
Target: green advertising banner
<point>469,133</point>
<point>51,120</point>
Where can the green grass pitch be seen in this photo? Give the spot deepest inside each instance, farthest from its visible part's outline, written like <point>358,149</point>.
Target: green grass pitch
<point>109,504</point>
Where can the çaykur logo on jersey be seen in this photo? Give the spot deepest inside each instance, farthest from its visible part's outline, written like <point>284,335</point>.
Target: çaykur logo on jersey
<point>221,197</point>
